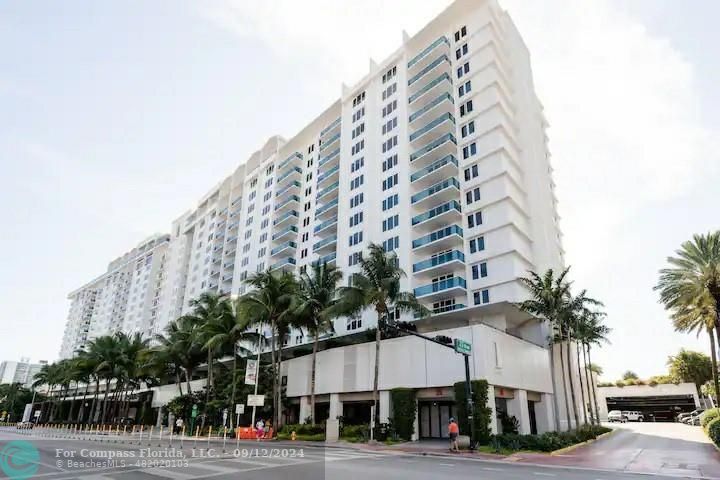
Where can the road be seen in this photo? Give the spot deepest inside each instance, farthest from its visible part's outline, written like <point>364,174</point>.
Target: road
<point>70,458</point>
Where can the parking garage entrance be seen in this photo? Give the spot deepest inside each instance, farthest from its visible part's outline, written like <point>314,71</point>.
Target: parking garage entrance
<point>661,408</point>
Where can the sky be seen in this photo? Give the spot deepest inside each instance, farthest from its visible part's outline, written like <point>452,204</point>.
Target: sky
<point>115,117</point>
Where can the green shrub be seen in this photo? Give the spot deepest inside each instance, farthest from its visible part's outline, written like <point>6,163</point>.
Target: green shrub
<point>303,429</point>
<point>481,412</point>
<point>355,433</point>
<point>404,408</point>
<point>708,416</point>
<point>547,442</point>
<point>713,430</point>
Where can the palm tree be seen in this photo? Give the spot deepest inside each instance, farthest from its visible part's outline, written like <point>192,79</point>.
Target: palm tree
<point>591,331</point>
<point>271,303</point>
<point>226,333</point>
<point>181,344</point>
<point>692,282</point>
<point>377,286</point>
<point>548,296</point>
<point>317,299</point>
<point>46,376</point>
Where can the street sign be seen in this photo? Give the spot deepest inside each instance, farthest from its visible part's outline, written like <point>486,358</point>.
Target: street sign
<point>37,413</point>
<point>194,411</point>
<point>251,372</point>
<point>461,346</point>
<point>256,400</point>
<point>239,408</point>
<point>225,414</point>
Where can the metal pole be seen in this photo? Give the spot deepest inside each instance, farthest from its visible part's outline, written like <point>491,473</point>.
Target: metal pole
<point>470,406</point>
<point>257,379</point>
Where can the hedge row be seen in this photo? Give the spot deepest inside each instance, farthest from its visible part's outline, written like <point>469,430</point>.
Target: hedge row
<point>547,442</point>
<point>708,416</point>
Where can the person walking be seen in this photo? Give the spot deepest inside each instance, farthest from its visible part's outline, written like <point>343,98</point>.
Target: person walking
<point>178,425</point>
<point>453,432</point>
<point>259,429</point>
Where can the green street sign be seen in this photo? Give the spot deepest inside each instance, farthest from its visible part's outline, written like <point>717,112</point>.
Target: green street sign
<point>193,414</point>
<point>461,346</point>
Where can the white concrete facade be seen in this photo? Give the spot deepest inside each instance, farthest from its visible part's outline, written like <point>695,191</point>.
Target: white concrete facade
<point>22,372</point>
<point>439,153</point>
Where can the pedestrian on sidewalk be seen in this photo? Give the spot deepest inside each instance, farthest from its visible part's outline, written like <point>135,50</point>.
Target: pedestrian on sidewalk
<point>453,432</point>
<point>259,429</point>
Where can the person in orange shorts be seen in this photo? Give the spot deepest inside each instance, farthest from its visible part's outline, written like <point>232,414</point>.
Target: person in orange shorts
<point>453,432</point>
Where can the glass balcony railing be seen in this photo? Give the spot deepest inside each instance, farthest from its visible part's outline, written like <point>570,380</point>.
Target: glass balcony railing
<point>326,259</point>
<point>329,141</point>
<point>443,77</point>
<point>294,184</point>
<point>326,207</point>
<point>441,59</point>
<point>291,213</point>
<point>427,50</point>
<point>448,257</point>
<point>447,183</point>
<point>443,97</point>
<point>291,172</point>
<point>448,137</point>
<point>325,242</point>
<point>234,225</point>
<point>328,174</point>
<point>282,247</point>
<point>228,265</point>
<point>285,231</point>
<point>283,263</point>
<point>327,190</point>
<point>291,199</point>
<point>330,156</point>
<point>325,224</point>
<point>446,308</point>
<point>437,235</point>
<point>442,285</point>
<point>291,158</point>
<point>436,211</point>
<point>446,160</point>
<point>445,117</point>
<point>227,278</point>
<point>334,124</point>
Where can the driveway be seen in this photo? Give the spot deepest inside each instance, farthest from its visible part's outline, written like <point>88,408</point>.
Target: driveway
<point>660,448</point>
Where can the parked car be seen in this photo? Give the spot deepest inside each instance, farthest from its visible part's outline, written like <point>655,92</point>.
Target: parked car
<point>634,416</point>
<point>616,416</point>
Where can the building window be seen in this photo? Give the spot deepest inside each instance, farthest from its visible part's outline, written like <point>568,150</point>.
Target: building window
<point>391,244</point>
<point>357,164</point>
<point>471,172</point>
<point>303,253</point>
<point>305,237</point>
<point>354,258</point>
<point>464,88</point>
<point>390,162</point>
<point>391,222</point>
<point>466,108</point>
<point>306,221</point>
<point>390,182</point>
<point>472,195</point>
<point>387,76</point>
<point>474,219</point>
<point>479,270</point>
<point>356,219</point>
<point>463,70</point>
<point>389,144</point>
<point>359,99</point>
<point>358,147</point>
<point>389,108</point>
<point>482,297</point>
<point>353,323</point>
<point>357,200</point>
<point>357,181</point>
<point>460,33</point>
<point>477,244</point>
<point>264,223</point>
<point>469,150</point>
<point>461,51</point>
<point>468,129</point>
<point>389,125</point>
<point>355,238</point>
<point>390,202</point>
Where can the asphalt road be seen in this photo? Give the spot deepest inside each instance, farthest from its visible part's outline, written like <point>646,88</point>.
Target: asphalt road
<point>71,458</point>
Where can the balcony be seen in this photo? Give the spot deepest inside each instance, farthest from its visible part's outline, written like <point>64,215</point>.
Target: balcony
<point>293,159</point>
<point>327,190</point>
<point>292,231</point>
<point>227,278</point>
<point>288,190</point>
<point>326,225</point>
<point>330,141</point>
<point>325,244</point>
<point>446,309</point>
<point>440,264</point>
<point>232,239</point>
<point>217,260</point>
<point>291,201</point>
<point>332,174</point>
<point>332,156</point>
<point>214,272</point>
<point>326,209</point>
<point>330,128</point>
<point>326,259</point>
<point>283,247</point>
<point>441,62</point>
<point>425,95</point>
<point>446,119</point>
<point>443,168</point>
<point>284,264</point>
<point>234,225</point>
<point>228,265</point>
<point>417,60</point>
<point>291,215</point>
<point>443,191</point>
<point>439,216</point>
<point>436,149</point>
<point>290,174</point>
<point>443,288</point>
<point>444,99</point>
<point>443,238</point>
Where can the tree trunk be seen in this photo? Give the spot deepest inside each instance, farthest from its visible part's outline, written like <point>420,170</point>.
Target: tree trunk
<point>72,404</point>
<point>232,395</point>
<point>376,377</point>
<point>590,386</point>
<point>312,381</point>
<point>104,402</point>
<point>597,410</point>
<point>81,411</point>
<point>209,378</point>
<point>178,381</point>
<point>273,359</point>
<point>713,358</point>
<point>565,389</point>
<point>188,376</point>
<point>93,409</point>
<point>572,384</point>
<point>278,417</point>
<point>582,391</point>
<point>556,408</point>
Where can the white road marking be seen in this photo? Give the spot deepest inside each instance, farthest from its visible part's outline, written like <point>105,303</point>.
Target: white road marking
<point>447,464</point>
<point>544,474</point>
<point>492,469</point>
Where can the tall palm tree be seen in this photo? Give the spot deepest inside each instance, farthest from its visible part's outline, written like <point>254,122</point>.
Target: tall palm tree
<point>377,286</point>
<point>318,297</point>
<point>693,280</point>
<point>181,344</point>
<point>226,334</point>
<point>547,300</point>
<point>271,303</point>
<point>597,334</point>
<point>591,330</point>
<point>48,375</point>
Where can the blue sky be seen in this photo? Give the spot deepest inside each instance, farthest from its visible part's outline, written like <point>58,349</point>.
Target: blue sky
<point>116,116</point>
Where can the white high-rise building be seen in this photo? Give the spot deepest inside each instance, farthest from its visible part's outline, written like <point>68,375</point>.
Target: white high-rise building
<point>22,372</point>
<point>440,155</point>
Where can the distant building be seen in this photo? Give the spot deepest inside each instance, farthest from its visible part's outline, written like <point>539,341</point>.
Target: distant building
<point>20,372</point>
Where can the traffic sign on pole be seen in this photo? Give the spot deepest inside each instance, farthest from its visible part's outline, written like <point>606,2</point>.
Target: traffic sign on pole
<point>463,347</point>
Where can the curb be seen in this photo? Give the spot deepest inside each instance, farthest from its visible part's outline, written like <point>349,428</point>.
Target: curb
<point>564,450</point>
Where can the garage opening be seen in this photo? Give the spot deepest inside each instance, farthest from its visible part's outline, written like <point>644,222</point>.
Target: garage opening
<point>654,408</point>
